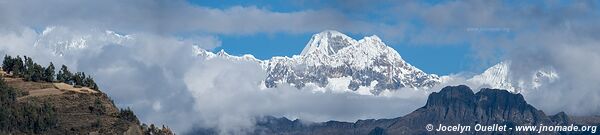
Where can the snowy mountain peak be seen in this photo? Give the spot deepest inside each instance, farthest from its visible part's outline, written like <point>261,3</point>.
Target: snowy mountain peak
<point>373,39</point>
<point>336,61</point>
<point>500,76</point>
<point>327,42</point>
<point>496,76</point>
<point>61,40</point>
<point>222,53</point>
<point>332,58</point>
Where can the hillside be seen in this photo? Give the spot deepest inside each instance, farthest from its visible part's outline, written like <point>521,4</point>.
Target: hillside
<point>42,107</point>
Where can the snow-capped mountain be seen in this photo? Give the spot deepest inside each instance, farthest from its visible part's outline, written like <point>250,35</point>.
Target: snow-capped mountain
<point>500,77</point>
<point>368,66</point>
<point>61,40</point>
<point>332,59</point>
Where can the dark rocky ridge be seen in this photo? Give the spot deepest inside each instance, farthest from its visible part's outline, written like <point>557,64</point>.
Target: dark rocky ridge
<point>452,105</point>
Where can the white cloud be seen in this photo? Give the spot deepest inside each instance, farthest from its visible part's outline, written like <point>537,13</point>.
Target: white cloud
<point>575,58</point>
<point>164,83</point>
<point>228,96</point>
<point>143,72</point>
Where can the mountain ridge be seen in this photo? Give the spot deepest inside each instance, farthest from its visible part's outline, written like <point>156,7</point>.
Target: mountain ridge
<point>368,66</point>
<point>450,106</point>
<point>500,77</point>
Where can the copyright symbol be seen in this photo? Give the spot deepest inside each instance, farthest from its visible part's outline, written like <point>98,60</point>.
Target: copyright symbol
<point>429,127</point>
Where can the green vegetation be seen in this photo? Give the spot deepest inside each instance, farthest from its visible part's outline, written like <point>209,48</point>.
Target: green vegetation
<point>32,71</point>
<point>153,130</point>
<point>23,117</point>
<point>64,75</point>
<point>128,115</point>
<point>97,108</point>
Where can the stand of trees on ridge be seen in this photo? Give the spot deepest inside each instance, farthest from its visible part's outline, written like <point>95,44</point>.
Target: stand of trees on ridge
<point>36,118</point>
<point>27,117</point>
<point>32,71</point>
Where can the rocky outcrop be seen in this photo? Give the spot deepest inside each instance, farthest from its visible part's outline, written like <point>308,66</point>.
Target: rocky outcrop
<point>455,105</point>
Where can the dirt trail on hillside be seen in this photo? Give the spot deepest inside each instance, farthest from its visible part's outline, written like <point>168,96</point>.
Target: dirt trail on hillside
<point>43,92</point>
<point>59,88</point>
<point>64,86</point>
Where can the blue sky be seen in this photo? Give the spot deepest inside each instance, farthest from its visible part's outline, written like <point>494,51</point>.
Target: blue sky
<point>438,58</point>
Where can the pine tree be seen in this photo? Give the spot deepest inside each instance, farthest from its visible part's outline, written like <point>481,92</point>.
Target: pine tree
<point>128,115</point>
<point>89,82</point>
<point>82,79</point>
<point>60,76</point>
<point>7,64</point>
<point>64,75</point>
<point>29,69</point>
<point>37,73</point>
<point>18,67</point>
<point>78,79</point>
<point>49,73</point>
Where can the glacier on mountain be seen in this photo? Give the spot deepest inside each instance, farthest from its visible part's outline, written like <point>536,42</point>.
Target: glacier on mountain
<point>368,63</point>
<point>331,54</point>
<point>368,66</point>
<point>61,39</point>
<point>500,77</point>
